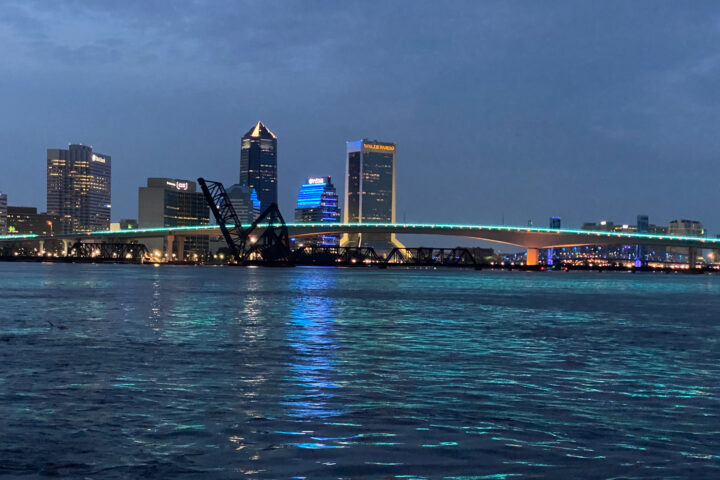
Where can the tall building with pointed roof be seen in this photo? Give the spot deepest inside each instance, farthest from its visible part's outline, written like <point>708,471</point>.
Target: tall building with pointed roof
<point>258,164</point>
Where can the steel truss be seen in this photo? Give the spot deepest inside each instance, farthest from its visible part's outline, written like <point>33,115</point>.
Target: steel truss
<point>272,246</point>
<point>108,250</point>
<point>331,255</point>
<point>440,257</point>
<point>222,209</point>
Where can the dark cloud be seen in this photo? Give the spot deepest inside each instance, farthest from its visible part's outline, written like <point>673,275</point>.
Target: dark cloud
<point>524,110</point>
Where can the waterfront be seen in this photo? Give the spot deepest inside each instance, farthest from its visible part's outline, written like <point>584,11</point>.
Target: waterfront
<point>319,372</point>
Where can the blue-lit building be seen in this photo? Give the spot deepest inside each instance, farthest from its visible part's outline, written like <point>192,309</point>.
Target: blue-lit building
<point>245,202</point>
<point>555,224</point>
<point>318,202</point>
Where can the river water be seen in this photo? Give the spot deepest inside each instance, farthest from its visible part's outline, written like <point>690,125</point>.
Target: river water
<point>117,371</point>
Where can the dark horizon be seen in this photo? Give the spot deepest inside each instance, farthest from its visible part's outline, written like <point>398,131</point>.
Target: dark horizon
<point>500,111</point>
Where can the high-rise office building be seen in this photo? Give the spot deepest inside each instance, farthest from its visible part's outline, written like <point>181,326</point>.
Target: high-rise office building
<point>169,202</point>
<point>370,190</point>
<point>78,188</point>
<point>318,202</point>
<point>245,202</point>
<point>3,214</point>
<point>258,164</point>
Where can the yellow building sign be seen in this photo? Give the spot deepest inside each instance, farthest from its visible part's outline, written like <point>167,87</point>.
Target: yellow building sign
<point>375,146</point>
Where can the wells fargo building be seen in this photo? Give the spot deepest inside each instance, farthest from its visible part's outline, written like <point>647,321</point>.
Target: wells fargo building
<point>370,190</point>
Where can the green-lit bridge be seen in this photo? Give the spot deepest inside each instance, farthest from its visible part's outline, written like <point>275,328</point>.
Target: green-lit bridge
<point>530,238</point>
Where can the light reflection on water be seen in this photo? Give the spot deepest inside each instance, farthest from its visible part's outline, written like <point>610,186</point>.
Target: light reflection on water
<point>310,336</point>
<point>227,372</point>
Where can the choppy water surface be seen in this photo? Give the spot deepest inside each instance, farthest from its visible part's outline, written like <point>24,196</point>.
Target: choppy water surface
<point>326,373</point>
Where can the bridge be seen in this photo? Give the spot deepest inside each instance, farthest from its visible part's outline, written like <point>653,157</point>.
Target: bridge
<point>530,238</point>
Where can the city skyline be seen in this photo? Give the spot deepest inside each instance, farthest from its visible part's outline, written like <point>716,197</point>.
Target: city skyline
<point>541,121</point>
<point>359,239</point>
<point>259,125</point>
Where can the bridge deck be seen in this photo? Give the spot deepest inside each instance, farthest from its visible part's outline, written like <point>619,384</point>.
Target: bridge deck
<point>527,237</point>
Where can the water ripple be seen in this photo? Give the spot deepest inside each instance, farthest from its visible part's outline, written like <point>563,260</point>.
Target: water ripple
<point>336,373</point>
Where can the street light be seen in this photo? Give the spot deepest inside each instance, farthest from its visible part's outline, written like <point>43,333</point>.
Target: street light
<point>49,222</point>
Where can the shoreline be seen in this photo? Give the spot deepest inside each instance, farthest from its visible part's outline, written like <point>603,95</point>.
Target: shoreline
<point>491,267</point>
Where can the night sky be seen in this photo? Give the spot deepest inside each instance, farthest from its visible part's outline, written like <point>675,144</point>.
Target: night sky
<point>515,110</point>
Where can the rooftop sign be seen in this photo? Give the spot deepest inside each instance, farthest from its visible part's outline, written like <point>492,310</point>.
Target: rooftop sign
<point>178,185</point>
<point>375,146</point>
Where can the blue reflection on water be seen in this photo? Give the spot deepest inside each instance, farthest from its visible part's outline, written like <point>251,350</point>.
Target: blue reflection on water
<point>310,334</point>
<point>334,373</point>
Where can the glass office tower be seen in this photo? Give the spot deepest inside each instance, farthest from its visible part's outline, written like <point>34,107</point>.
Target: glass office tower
<point>170,202</point>
<point>258,164</point>
<point>78,189</point>
<point>370,190</point>
<point>317,202</point>
<point>245,202</point>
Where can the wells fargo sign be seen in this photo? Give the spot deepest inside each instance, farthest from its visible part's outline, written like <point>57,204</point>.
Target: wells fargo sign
<point>375,146</point>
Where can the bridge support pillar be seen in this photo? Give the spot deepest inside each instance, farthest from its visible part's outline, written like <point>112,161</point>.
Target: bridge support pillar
<point>169,240</point>
<point>41,246</point>
<point>65,247</point>
<point>692,257</point>
<point>532,257</point>
<point>180,248</point>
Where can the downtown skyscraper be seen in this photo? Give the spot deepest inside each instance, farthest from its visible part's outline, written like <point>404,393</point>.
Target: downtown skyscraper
<point>258,164</point>
<point>78,189</point>
<point>317,202</point>
<point>370,190</point>
<point>172,202</point>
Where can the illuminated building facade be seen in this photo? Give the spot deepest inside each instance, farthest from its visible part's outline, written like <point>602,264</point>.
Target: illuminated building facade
<point>78,189</point>
<point>555,224</point>
<point>245,202</point>
<point>370,190</point>
<point>684,228</point>
<point>258,164</point>
<point>640,254</point>
<point>24,220</point>
<point>318,202</point>
<point>169,202</point>
<point>642,226</point>
<point>3,214</point>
